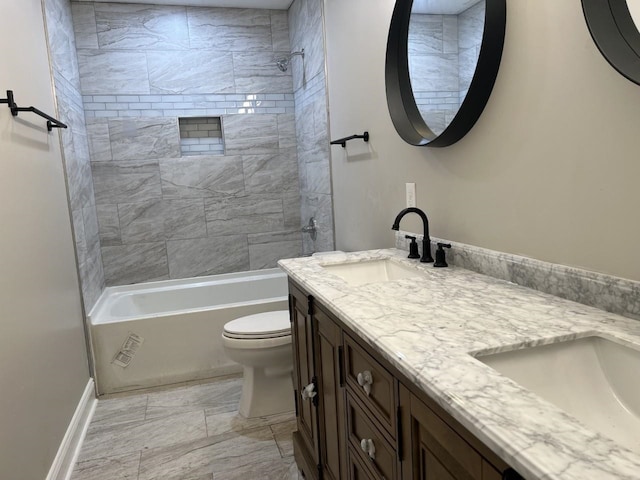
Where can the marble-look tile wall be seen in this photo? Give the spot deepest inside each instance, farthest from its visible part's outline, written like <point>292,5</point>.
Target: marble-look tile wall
<point>443,51</point>
<point>311,119</point>
<point>75,149</point>
<point>470,30</point>
<point>162,214</point>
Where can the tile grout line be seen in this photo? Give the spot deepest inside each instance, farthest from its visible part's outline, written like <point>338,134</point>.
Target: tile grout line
<point>146,408</point>
<point>139,465</point>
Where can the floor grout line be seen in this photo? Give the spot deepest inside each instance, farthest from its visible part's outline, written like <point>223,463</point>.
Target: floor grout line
<point>139,465</point>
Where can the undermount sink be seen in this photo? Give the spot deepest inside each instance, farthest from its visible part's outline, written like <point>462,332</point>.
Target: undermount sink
<point>372,271</point>
<point>594,379</point>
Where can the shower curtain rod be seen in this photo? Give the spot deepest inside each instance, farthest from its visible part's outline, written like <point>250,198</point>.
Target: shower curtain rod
<point>15,109</point>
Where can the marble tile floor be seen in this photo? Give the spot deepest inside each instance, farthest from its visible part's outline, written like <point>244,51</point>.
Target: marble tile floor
<point>185,433</point>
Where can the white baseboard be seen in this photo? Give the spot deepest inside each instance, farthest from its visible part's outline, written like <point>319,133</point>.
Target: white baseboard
<point>65,460</point>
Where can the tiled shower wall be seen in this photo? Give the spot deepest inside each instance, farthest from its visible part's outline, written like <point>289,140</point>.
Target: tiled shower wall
<point>162,215</point>
<point>75,148</point>
<point>306,32</point>
<point>443,50</point>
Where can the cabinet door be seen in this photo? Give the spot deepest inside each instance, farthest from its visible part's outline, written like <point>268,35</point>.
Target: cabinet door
<point>436,451</point>
<point>306,438</point>
<point>331,408</point>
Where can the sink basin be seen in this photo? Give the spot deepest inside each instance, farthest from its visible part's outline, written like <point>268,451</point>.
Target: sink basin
<point>592,378</point>
<point>371,271</point>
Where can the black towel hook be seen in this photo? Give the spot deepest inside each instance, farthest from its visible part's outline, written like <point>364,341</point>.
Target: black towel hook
<point>343,141</point>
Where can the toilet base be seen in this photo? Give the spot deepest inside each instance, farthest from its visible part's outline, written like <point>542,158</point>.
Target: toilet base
<point>264,394</point>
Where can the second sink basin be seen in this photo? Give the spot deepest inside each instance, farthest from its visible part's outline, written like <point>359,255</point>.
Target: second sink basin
<point>359,273</point>
<point>592,378</point>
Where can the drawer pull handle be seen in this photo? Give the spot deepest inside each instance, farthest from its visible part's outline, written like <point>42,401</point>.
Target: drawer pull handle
<point>309,391</point>
<point>365,380</point>
<point>366,444</point>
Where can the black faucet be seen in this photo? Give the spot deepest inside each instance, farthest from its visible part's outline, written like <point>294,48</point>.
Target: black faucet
<point>426,241</point>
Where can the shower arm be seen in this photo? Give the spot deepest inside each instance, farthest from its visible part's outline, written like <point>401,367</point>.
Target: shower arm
<point>283,62</point>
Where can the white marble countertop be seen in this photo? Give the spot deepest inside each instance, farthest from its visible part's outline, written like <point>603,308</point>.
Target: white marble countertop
<point>427,328</point>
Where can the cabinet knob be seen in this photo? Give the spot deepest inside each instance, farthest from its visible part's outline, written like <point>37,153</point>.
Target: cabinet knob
<point>309,391</point>
<point>365,380</point>
<point>366,444</point>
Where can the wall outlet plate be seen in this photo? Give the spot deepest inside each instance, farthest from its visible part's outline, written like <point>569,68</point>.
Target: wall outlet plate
<point>411,194</point>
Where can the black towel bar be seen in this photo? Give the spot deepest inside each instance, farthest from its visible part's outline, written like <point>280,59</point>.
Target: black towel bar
<point>15,109</point>
<point>343,141</point>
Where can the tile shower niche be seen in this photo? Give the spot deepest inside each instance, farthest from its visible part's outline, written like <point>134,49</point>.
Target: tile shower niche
<point>201,136</point>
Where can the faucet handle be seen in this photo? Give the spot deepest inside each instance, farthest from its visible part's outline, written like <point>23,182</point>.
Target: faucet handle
<point>413,247</point>
<point>441,260</point>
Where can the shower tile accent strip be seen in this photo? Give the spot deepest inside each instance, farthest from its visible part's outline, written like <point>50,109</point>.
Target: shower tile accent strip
<point>606,292</point>
<point>99,106</point>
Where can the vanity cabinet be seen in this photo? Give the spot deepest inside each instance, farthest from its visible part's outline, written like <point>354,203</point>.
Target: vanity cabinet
<point>305,438</point>
<point>360,418</point>
<point>331,414</point>
<point>319,445</point>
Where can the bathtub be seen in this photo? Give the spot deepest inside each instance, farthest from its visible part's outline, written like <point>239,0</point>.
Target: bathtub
<point>159,333</point>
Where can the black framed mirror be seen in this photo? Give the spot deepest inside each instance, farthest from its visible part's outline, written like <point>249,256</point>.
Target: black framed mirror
<point>438,82</point>
<point>614,26</point>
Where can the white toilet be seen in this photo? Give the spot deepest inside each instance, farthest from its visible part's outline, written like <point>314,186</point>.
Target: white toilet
<point>261,343</point>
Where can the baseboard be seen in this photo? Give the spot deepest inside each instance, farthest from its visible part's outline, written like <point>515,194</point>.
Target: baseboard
<point>65,460</point>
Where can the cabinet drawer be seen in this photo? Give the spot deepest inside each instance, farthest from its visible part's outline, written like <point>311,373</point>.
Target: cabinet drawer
<point>356,469</point>
<point>383,460</point>
<point>380,398</point>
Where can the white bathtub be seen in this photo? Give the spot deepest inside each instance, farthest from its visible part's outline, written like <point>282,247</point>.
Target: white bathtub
<point>180,322</point>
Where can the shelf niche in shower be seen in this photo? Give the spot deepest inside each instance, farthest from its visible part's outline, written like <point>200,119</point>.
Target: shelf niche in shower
<point>201,136</point>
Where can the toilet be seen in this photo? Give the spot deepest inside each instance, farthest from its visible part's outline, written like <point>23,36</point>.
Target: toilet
<point>261,343</point>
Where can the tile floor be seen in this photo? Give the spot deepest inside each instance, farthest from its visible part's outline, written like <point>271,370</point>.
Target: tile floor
<point>185,433</point>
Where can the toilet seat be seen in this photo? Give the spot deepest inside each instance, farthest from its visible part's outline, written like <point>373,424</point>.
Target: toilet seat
<point>259,326</point>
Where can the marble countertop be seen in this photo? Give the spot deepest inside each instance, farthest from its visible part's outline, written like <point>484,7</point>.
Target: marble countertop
<point>429,329</point>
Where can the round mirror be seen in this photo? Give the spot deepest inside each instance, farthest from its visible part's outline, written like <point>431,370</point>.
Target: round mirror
<point>614,27</point>
<point>442,61</point>
<point>634,10</point>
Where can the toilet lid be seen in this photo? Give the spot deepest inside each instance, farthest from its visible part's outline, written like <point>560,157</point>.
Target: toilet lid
<point>260,325</point>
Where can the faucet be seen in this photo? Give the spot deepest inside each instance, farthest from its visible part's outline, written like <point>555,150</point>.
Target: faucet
<point>426,241</point>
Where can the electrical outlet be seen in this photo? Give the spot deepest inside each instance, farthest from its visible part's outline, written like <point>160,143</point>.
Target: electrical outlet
<point>411,194</point>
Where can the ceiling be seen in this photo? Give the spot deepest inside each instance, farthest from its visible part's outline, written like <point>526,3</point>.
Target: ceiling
<point>442,7</point>
<point>268,4</point>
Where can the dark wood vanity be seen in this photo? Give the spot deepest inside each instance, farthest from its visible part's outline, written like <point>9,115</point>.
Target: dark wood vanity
<point>360,418</point>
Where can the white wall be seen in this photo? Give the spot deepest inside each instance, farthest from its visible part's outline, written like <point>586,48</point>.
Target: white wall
<point>43,362</point>
<point>549,171</point>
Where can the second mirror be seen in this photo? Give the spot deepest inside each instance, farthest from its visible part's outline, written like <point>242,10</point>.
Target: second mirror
<point>442,59</point>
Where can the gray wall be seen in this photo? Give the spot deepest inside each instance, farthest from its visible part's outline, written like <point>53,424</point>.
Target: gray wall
<point>75,148</point>
<point>312,129</point>
<point>161,215</point>
<point>549,171</point>
<point>43,360</point>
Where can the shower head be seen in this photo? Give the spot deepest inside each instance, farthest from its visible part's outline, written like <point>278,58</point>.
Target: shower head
<point>283,62</point>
